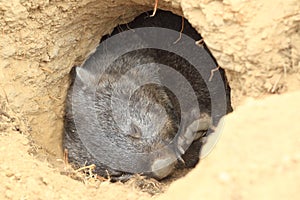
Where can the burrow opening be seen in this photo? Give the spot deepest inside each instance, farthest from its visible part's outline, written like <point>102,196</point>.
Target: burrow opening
<point>164,19</point>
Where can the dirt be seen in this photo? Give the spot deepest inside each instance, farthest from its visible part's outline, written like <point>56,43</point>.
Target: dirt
<point>24,177</point>
<point>256,42</point>
<point>257,157</point>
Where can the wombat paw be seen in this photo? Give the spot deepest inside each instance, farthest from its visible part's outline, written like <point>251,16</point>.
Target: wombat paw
<point>194,131</point>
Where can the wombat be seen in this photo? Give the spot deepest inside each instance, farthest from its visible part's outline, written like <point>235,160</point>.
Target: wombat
<point>125,120</point>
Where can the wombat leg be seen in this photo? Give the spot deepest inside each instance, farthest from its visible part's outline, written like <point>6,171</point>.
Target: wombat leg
<point>199,126</point>
<point>123,178</point>
<point>180,159</point>
<point>193,131</point>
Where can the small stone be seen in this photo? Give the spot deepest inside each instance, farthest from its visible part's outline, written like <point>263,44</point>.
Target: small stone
<point>18,176</point>
<point>44,180</point>
<point>9,174</point>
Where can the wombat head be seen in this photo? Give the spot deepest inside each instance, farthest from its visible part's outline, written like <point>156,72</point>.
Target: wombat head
<point>125,119</point>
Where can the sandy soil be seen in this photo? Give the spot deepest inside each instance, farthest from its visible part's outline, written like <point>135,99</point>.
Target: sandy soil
<point>257,157</point>
<point>25,176</point>
<point>256,42</point>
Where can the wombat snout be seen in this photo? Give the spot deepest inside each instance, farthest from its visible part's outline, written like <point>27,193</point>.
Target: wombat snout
<point>161,168</point>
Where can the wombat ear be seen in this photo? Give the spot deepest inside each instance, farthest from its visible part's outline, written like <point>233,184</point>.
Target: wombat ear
<point>85,76</point>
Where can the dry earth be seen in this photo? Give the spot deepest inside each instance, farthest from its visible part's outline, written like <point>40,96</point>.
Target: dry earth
<point>256,42</point>
<point>257,157</point>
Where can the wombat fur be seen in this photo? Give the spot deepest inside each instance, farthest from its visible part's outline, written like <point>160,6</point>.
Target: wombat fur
<point>153,118</point>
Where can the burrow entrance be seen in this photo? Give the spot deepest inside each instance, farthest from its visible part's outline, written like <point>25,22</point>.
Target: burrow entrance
<point>42,40</point>
<point>77,149</point>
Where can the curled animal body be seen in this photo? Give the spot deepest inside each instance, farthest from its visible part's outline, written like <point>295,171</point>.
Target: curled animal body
<point>142,101</point>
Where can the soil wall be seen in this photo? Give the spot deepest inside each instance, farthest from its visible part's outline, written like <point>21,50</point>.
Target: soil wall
<point>256,42</point>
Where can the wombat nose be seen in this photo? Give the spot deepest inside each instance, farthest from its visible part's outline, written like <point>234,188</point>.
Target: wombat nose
<point>161,168</point>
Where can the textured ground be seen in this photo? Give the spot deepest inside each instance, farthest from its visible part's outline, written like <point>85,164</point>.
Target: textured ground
<point>257,157</point>
<point>256,42</point>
